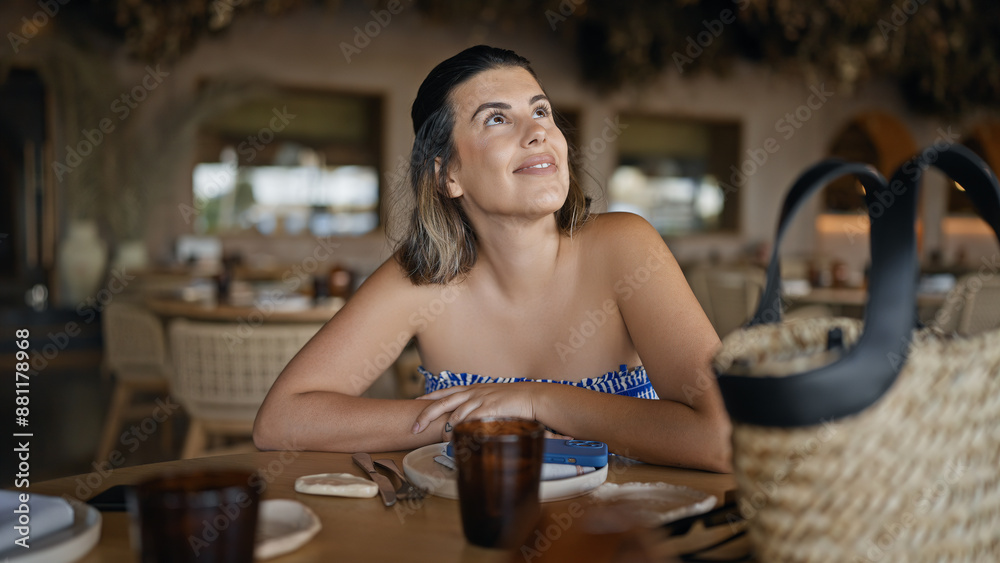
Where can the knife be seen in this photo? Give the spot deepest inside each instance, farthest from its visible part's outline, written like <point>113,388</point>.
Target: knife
<point>385,488</point>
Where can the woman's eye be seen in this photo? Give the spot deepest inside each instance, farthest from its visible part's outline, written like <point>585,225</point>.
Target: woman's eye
<point>541,112</point>
<point>496,119</point>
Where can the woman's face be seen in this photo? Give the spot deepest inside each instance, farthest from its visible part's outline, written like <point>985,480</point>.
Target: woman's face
<point>511,158</point>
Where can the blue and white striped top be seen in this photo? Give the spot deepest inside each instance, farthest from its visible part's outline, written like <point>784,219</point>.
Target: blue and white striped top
<point>631,383</point>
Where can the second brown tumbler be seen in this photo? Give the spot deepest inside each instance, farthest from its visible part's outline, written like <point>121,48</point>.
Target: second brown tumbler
<point>198,517</point>
<point>499,464</point>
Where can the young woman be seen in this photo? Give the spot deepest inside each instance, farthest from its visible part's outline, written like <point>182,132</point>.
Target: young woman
<point>521,302</point>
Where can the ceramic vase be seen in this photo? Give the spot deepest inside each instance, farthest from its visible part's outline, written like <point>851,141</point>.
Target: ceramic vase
<point>83,258</point>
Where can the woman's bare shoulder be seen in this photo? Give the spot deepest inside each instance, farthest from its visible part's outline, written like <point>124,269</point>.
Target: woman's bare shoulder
<point>389,277</point>
<point>622,237</point>
<point>390,282</point>
<point>617,224</point>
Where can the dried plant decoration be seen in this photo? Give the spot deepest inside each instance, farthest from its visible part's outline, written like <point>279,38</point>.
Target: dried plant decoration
<point>943,54</point>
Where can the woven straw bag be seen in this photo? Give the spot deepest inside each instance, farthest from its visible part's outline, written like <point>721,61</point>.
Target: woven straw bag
<point>877,441</point>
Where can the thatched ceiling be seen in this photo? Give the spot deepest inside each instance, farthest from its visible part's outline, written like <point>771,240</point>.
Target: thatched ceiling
<point>943,54</point>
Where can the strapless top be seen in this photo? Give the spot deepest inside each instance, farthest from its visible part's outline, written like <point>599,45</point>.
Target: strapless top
<point>628,382</point>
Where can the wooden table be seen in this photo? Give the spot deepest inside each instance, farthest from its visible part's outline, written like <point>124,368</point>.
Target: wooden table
<point>361,530</point>
<point>224,312</point>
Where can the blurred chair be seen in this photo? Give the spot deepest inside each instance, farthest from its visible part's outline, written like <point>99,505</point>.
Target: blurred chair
<point>728,294</point>
<point>223,371</point>
<point>135,354</point>
<point>971,307</point>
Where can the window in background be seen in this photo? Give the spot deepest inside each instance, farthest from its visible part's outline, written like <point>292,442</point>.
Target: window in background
<point>958,202</point>
<point>984,141</point>
<point>871,137</point>
<point>300,163</point>
<point>670,172</point>
<point>846,194</point>
<point>968,240</point>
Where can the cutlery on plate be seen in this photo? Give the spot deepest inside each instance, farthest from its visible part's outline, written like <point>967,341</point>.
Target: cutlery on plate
<point>406,490</point>
<point>385,488</point>
<point>445,461</point>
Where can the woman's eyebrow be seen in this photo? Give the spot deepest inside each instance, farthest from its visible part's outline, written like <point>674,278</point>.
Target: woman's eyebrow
<point>504,105</point>
<point>489,105</point>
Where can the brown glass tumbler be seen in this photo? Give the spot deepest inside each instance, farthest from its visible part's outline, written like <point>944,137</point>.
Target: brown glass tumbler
<point>207,516</point>
<point>499,464</point>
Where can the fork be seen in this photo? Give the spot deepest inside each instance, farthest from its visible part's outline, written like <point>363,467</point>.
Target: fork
<point>406,490</point>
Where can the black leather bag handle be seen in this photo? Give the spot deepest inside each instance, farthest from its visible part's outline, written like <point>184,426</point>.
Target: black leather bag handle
<point>812,180</point>
<point>864,373</point>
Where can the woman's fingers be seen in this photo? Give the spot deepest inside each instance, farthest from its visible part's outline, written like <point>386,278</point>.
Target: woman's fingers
<point>436,409</point>
<point>466,410</point>
<point>475,401</point>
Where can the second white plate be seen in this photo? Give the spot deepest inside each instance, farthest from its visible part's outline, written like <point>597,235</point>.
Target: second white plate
<point>654,504</point>
<point>424,472</point>
<point>66,545</point>
<point>283,525</point>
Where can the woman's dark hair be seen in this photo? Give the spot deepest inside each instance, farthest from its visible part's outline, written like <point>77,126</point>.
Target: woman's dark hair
<point>440,244</point>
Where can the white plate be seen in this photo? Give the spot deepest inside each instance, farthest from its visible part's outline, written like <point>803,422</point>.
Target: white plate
<point>283,525</point>
<point>424,472</point>
<point>654,504</point>
<point>65,545</point>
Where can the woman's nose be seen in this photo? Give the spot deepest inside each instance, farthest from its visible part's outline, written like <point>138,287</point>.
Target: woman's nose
<point>535,134</point>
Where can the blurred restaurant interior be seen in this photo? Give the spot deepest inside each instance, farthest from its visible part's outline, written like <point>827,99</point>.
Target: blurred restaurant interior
<point>188,190</point>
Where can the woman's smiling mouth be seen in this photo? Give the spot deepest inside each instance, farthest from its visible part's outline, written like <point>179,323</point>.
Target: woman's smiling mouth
<point>538,165</point>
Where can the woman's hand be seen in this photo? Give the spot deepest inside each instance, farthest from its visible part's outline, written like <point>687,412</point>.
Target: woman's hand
<point>477,401</point>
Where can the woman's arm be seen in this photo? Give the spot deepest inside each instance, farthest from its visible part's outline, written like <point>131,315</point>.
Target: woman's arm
<point>675,341</point>
<point>663,432</point>
<point>315,403</point>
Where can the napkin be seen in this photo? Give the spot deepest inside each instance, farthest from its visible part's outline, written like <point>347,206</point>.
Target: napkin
<point>40,516</point>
